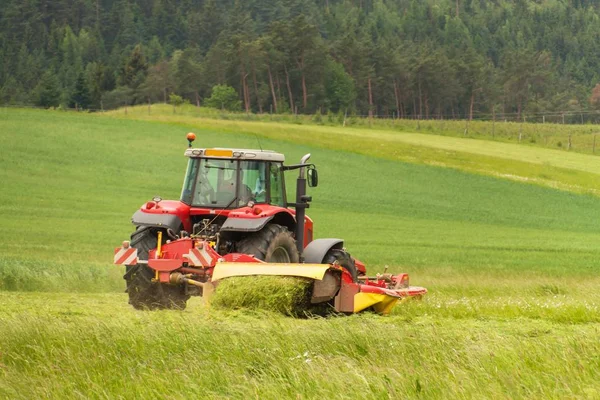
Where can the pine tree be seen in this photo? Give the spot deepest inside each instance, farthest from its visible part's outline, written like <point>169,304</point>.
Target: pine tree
<point>47,92</point>
<point>80,98</point>
<point>187,74</point>
<point>133,72</point>
<point>339,87</point>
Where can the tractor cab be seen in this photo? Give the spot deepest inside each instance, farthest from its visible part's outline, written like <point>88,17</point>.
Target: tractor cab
<point>233,178</point>
<point>231,196</point>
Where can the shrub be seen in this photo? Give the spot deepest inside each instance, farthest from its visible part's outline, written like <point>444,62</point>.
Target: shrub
<point>224,97</point>
<point>175,99</point>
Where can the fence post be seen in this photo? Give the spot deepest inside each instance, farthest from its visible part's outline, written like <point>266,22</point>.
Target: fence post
<point>569,145</point>
<point>521,129</point>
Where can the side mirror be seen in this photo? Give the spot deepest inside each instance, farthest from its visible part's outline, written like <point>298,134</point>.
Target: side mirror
<point>313,177</point>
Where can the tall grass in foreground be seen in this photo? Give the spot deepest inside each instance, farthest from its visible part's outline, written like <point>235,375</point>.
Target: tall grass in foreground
<point>52,276</point>
<point>94,346</point>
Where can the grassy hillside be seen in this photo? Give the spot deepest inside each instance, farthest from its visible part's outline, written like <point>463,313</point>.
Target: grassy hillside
<point>551,135</point>
<point>547,167</point>
<point>511,268</point>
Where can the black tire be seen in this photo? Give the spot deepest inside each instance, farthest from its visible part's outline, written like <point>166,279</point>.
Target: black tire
<point>344,260</point>
<point>274,243</point>
<point>144,240</point>
<point>144,294</point>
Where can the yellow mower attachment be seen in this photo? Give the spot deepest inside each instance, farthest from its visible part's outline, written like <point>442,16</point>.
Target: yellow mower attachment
<point>331,283</point>
<point>229,269</point>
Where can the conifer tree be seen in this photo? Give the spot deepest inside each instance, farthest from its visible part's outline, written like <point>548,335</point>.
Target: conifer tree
<point>47,91</point>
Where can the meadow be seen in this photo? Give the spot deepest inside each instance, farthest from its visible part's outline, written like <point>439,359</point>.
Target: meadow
<point>504,237</point>
<point>431,145</point>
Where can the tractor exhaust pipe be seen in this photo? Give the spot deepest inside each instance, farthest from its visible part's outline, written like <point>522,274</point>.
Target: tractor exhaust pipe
<point>301,206</point>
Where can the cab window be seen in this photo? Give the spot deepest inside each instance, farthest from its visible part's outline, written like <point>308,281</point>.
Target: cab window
<point>216,183</point>
<point>276,184</point>
<point>253,176</point>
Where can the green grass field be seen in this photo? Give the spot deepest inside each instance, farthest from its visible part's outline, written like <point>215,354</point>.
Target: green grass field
<point>505,237</point>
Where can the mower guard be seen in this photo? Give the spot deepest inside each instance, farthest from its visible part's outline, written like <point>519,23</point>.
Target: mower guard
<point>228,269</point>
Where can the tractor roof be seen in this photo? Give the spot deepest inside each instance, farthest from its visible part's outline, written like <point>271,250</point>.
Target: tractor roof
<point>235,154</point>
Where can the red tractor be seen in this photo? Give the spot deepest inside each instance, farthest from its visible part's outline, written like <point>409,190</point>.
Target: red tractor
<point>233,219</point>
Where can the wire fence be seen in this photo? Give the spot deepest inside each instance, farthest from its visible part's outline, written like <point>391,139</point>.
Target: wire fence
<point>571,117</point>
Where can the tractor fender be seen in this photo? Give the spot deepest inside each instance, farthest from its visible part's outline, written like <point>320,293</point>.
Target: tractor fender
<point>171,221</point>
<point>245,224</point>
<point>316,250</point>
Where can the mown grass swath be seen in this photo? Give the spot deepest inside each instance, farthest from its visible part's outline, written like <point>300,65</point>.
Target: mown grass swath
<point>511,269</point>
<point>282,294</point>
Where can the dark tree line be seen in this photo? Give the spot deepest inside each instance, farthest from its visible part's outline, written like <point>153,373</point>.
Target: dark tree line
<point>410,58</point>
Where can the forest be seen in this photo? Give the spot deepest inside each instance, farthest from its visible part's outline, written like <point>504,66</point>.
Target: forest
<point>389,58</point>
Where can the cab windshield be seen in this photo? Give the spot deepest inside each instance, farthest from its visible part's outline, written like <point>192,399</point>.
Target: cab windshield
<point>219,183</point>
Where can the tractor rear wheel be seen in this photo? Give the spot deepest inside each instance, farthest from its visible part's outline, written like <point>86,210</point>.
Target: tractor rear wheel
<point>274,243</point>
<point>144,294</point>
<point>344,260</point>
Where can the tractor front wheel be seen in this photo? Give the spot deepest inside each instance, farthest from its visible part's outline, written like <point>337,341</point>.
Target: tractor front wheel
<point>343,259</point>
<point>274,243</point>
<point>144,293</point>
